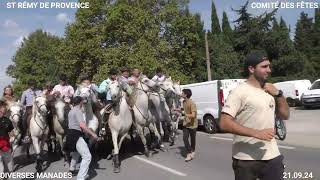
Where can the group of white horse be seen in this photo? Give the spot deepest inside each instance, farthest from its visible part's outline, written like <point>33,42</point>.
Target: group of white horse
<point>39,125</point>
<point>148,106</point>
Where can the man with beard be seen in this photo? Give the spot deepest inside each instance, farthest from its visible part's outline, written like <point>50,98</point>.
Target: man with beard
<point>249,113</point>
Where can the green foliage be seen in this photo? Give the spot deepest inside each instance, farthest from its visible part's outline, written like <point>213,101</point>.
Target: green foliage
<point>147,34</point>
<point>215,25</point>
<point>35,59</point>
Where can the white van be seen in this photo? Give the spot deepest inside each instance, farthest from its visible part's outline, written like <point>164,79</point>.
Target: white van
<point>311,97</point>
<point>210,97</point>
<point>293,90</point>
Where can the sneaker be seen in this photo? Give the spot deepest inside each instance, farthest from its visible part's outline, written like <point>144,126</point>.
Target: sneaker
<point>188,158</point>
<point>73,172</point>
<point>193,154</point>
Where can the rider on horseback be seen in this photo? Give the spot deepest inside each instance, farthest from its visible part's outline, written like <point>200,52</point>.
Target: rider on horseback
<point>104,88</point>
<point>63,89</point>
<point>27,101</point>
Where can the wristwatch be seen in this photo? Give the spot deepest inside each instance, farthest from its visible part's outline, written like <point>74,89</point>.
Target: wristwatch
<point>280,94</point>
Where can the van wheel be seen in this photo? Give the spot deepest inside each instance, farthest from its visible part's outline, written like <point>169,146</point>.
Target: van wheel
<point>210,125</point>
<point>307,107</point>
<point>291,102</point>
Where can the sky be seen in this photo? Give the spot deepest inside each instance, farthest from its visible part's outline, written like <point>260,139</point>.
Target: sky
<point>18,23</point>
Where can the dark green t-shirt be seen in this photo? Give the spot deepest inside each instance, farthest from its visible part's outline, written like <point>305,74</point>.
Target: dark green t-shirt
<point>5,126</point>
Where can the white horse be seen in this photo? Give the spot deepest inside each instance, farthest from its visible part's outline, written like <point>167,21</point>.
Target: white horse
<point>16,112</point>
<point>39,128</point>
<point>120,120</point>
<point>174,101</point>
<point>89,98</point>
<point>59,124</point>
<point>142,109</point>
<point>163,101</point>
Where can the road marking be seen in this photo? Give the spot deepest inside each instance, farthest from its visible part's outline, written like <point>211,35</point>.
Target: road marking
<point>286,147</point>
<point>222,138</point>
<point>229,139</point>
<point>160,166</point>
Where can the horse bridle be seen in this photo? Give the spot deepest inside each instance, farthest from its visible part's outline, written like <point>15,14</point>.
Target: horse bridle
<point>86,97</point>
<point>39,107</point>
<point>16,114</point>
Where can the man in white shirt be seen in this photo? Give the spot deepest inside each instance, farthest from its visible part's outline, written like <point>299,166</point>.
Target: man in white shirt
<point>63,89</point>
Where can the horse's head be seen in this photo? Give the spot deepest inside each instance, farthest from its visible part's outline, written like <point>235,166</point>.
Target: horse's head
<point>85,93</point>
<point>167,87</point>
<point>59,106</point>
<point>41,103</point>
<point>146,84</point>
<point>16,111</point>
<point>115,91</point>
<point>177,88</point>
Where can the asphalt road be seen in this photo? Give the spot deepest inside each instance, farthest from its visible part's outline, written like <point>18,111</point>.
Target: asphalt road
<point>213,159</point>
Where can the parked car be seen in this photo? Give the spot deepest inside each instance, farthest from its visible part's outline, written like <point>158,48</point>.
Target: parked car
<point>311,97</point>
<point>210,98</point>
<point>293,90</point>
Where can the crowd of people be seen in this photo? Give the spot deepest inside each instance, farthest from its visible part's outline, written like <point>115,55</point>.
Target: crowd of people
<point>249,113</point>
<point>76,124</point>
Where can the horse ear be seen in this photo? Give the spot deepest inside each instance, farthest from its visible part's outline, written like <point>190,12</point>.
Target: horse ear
<point>178,82</point>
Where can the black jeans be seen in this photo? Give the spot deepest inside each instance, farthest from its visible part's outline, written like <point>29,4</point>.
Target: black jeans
<point>192,133</point>
<point>263,169</point>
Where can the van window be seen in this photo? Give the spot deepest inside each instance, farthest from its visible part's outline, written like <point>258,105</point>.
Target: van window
<point>316,85</point>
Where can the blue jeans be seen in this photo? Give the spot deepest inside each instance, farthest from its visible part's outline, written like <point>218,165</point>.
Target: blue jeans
<point>84,152</point>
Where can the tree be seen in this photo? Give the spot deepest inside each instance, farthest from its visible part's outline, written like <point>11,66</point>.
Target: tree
<point>82,50</point>
<point>225,60</point>
<point>226,28</point>
<point>302,39</point>
<point>142,34</point>
<point>35,59</point>
<point>215,25</point>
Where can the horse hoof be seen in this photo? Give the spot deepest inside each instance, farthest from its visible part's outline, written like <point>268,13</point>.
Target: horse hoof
<point>66,165</point>
<point>116,169</point>
<point>39,168</point>
<point>148,154</point>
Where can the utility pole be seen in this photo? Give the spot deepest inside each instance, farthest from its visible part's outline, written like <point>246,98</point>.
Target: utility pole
<point>208,57</point>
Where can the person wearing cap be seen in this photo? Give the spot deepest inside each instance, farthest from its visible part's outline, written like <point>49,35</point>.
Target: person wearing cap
<point>27,101</point>
<point>249,114</point>
<point>159,77</point>
<point>63,89</point>
<point>104,86</point>
<point>75,143</point>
